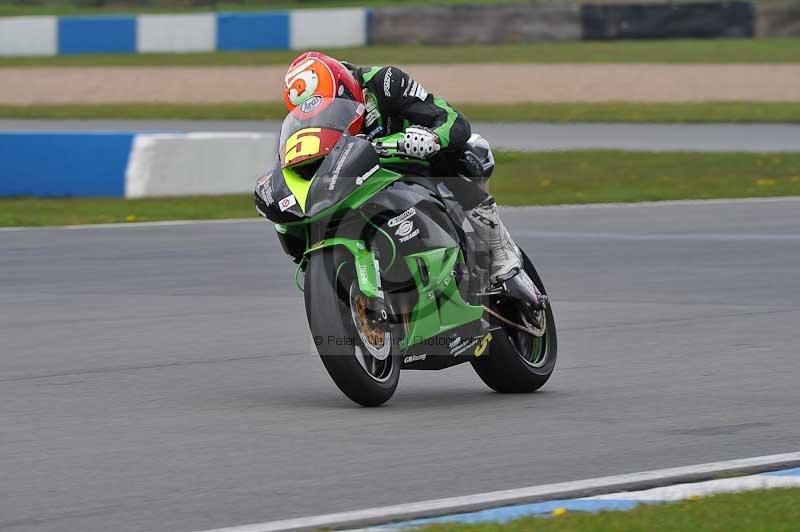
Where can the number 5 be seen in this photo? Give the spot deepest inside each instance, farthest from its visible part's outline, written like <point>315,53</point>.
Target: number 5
<point>304,142</point>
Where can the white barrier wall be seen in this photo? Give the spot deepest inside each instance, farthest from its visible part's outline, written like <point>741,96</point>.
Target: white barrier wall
<point>176,33</point>
<point>197,163</point>
<point>333,28</point>
<point>29,36</point>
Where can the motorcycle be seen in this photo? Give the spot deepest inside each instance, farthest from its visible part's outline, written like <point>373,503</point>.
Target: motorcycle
<point>393,275</point>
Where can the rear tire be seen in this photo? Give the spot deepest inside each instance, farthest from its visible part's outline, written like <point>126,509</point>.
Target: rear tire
<point>330,290</point>
<point>517,362</point>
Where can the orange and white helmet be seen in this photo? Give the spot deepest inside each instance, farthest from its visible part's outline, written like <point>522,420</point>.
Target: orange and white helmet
<point>316,74</point>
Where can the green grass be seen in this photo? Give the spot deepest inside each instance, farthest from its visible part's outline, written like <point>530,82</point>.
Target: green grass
<point>612,176</point>
<point>741,112</point>
<point>520,179</point>
<point>775,510</point>
<point>785,50</point>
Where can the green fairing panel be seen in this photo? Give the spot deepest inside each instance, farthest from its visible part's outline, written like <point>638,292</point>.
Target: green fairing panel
<point>374,184</point>
<point>430,318</point>
<point>366,272</point>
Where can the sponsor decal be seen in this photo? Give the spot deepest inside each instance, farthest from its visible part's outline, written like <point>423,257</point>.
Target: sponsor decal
<point>387,83</point>
<point>455,342</point>
<point>287,202</point>
<point>415,90</point>
<point>363,275</point>
<point>405,228</point>
<point>409,237</point>
<point>264,188</point>
<point>463,347</point>
<point>397,220</point>
<point>373,113</point>
<point>483,345</point>
<point>360,179</point>
<point>339,164</point>
<point>414,358</point>
<point>311,104</point>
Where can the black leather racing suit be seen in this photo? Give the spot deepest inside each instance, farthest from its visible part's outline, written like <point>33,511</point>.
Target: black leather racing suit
<point>395,101</point>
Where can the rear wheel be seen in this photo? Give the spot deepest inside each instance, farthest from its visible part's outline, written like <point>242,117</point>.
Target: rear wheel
<point>361,356</point>
<point>517,361</point>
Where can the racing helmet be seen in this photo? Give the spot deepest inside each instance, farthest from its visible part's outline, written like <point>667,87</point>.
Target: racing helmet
<point>313,79</point>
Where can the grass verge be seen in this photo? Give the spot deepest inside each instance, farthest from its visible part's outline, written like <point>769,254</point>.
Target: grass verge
<point>779,50</point>
<point>774,510</point>
<point>734,112</point>
<point>520,179</point>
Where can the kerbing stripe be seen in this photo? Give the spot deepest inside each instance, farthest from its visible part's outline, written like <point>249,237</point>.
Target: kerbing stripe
<point>484,501</point>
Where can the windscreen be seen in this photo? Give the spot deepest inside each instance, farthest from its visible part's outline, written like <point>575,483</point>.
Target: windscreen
<point>311,133</point>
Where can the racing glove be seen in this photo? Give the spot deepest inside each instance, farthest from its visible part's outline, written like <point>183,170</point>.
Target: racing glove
<point>419,142</point>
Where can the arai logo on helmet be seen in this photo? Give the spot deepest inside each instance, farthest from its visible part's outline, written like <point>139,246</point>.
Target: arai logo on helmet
<point>311,104</point>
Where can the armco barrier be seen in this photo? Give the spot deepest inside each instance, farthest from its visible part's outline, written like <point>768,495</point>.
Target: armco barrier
<point>128,164</point>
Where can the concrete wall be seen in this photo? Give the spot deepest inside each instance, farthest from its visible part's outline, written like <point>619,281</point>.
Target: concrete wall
<point>412,24</point>
<point>197,163</point>
<point>28,36</point>
<point>127,164</point>
<point>176,33</point>
<point>271,30</point>
<point>475,24</point>
<point>778,19</point>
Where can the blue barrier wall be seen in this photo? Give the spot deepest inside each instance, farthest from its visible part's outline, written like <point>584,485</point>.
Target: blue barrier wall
<point>87,35</point>
<point>257,31</point>
<point>63,164</point>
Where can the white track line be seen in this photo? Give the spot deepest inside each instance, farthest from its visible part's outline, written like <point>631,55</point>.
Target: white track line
<point>254,219</point>
<point>134,225</point>
<point>665,203</point>
<point>480,501</point>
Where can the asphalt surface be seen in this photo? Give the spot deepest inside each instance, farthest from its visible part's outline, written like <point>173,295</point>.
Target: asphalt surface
<point>517,136</point>
<point>162,378</point>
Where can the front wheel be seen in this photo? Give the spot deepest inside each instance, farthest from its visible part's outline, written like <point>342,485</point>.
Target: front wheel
<point>517,361</point>
<point>360,356</point>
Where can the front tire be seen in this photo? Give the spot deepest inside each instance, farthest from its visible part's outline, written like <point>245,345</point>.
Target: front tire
<point>363,361</point>
<point>518,362</point>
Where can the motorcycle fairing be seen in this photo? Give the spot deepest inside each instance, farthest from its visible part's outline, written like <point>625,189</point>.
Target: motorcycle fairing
<point>351,162</point>
<point>440,306</point>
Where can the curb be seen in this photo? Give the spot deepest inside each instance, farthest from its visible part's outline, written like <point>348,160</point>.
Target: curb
<point>564,490</point>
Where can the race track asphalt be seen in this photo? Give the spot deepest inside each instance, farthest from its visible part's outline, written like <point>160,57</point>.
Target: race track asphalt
<point>530,136</point>
<point>161,378</point>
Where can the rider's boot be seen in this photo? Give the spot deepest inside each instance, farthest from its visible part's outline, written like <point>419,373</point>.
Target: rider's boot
<point>506,259</point>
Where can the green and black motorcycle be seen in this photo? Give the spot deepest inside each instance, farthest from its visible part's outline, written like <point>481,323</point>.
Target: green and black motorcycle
<point>393,275</point>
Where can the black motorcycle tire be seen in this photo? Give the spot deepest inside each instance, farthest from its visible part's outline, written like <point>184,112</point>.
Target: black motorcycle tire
<point>327,284</point>
<point>503,369</point>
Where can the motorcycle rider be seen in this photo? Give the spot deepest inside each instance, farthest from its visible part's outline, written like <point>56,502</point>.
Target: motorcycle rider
<point>400,113</point>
